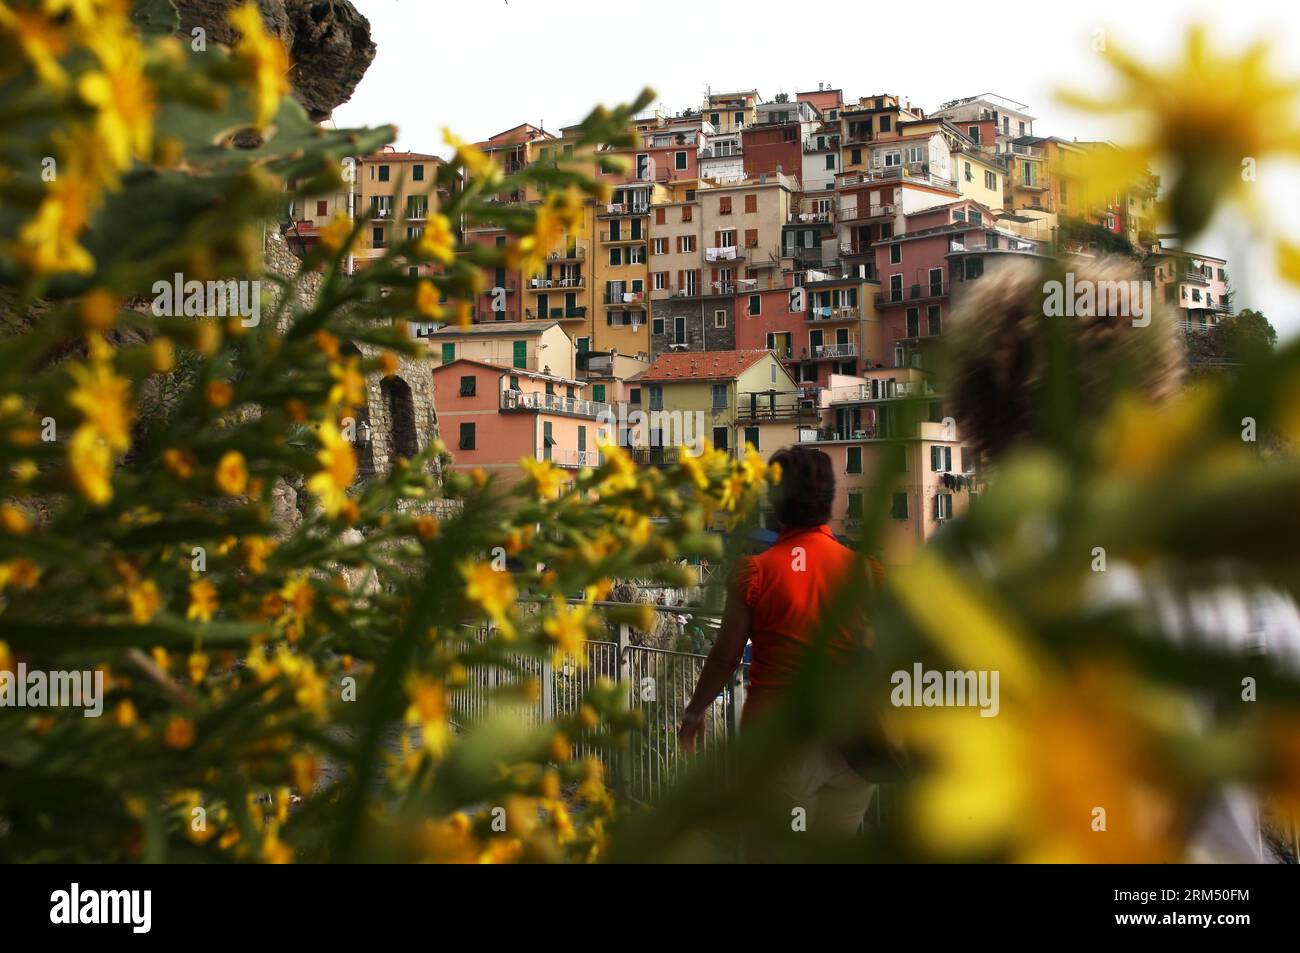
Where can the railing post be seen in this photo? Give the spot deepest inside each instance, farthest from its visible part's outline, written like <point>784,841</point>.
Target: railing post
<point>737,701</point>
<point>624,774</point>
<point>548,690</point>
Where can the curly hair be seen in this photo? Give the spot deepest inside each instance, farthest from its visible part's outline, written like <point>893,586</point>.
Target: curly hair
<point>807,489</point>
<point>997,346</point>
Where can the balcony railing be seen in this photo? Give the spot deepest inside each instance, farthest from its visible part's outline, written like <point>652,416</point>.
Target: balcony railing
<point>552,403</point>
<point>880,390</point>
<point>577,281</point>
<point>609,235</point>
<point>563,457</point>
<point>828,313</point>
<point>772,406</point>
<point>830,352</point>
<point>554,314</point>
<point>568,254</point>
<point>684,291</point>
<point>854,213</point>
<point>916,292</point>
<point>810,217</point>
<point>623,208</point>
<point>724,253</point>
<point>633,298</point>
<point>656,456</point>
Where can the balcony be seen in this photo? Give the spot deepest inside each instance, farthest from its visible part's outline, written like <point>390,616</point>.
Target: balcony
<point>623,208</point>
<point>881,390</point>
<point>865,213</point>
<point>554,314</point>
<point>635,299</point>
<point>724,253</point>
<point>655,456</point>
<point>610,236</point>
<point>830,352</point>
<point>541,284</point>
<point>684,291</point>
<point>568,254</point>
<point>1030,186</point>
<point>574,459</point>
<point>914,293</point>
<point>797,218</point>
<point>770,405</point>
<point>827,313</point>
<point>551,403</point>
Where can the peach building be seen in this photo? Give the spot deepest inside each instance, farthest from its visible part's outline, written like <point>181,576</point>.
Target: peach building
<point>491,417</point>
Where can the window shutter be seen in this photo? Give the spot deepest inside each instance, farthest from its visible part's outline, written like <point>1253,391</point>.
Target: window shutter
<point>936,506</point>
<point>934,458</point>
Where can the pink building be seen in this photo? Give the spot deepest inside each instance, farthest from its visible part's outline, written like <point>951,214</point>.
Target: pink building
<point>491,417</point>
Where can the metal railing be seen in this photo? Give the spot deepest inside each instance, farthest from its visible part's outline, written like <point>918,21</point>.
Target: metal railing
<point>554,403</point>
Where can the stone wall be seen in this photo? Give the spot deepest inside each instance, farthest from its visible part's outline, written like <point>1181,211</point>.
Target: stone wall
<point>701,332</point>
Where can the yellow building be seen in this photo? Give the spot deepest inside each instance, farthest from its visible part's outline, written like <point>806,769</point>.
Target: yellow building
<point>563,289</point>
<point>621,270</point>
<point>980,176</point>
<point>730,398</point>
<point>398,190</point>
<point>528,345</point>
<point>732,112</point>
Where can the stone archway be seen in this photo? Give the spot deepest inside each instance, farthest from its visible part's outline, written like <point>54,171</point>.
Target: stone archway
<point>404,441</point>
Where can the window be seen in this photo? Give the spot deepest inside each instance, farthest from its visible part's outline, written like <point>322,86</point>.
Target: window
<point>975,217</point>
<point>616,256</point>
<point>719,318</point>
<point>679,160</point>
<point>719,396</point>
<point>751,238</point>
<point>970,173</point>
<point>467,386</point>
<point>377,237</point>
<point>520,353</point>
<point>932,320</point>
<point>943,506</point>
<point>634,395</point>
<point>659,281</point>
<point>720,441</point>
<point>660,246</point>
<point>751,437</point>
<point>751,204</point>
<point>582,439</point>
<point>569,391</point>
<point>936,281</point>
<point>548,440</point>
<point>724,205</point>
<point>898,508</point>
<point>448,353</point>
<point>583,344</point>
<point>656,326</point>
<point>467,436</point>
<point>642,165</point>
<point>656,396</point>
<point>417,173</point>
<point>322,207</point>
<point>941,459</point>
<point>830,160</point>
<point>755,304</point>
<point>896,253</point>
<point>913,323</point>
<point>514,382</point>
<point>855,156</point>
<point>598,393</point>
<point>383,173</point>
<point>990,181</point>
<point>679,330</point>
<point>974,133</point>
<point>550,388</point>
<point>686,243</point>
<point>687,212</point>
<point>884,123</point>
<point>661,216</point>
<point>853,463</point>
<point>855,505</point>
<point>974,268</point>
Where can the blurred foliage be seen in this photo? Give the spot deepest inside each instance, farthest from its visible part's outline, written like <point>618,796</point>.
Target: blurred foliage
<point>230,678</point>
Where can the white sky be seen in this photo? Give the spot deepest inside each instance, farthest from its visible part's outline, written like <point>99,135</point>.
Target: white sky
<point>481,66</point>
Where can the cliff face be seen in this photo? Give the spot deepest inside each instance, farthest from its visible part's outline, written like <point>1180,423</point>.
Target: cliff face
<point>328,42</point>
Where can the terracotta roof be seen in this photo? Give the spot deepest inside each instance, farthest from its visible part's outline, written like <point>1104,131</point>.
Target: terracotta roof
<point>700,365</point>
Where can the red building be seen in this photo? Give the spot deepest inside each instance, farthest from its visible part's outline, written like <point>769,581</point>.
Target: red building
<point>773,148</point>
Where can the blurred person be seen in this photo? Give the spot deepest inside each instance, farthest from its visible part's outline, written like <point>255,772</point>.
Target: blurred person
<point>775,603</point>
<point>994,376</point>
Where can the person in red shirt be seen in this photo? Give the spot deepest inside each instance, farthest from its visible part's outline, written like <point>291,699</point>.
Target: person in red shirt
<point>776,601</point>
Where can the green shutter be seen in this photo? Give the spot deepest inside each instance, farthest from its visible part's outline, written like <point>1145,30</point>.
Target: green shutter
<point>521,354</point>
<point>448,353</point>
<point>598,393</point>
<point>582,439</point>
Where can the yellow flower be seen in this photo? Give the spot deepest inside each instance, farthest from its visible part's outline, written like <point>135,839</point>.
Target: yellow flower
<point>121,94</point>
<point>339,469</point>
<point>304,769</point>
<point>438,240</point>
<point>547,479</point>
<point>99,310</point>
<point>335,235</point>
<point>179,733</point>
<point>426,300</point>
<point>695,469</point>
<point>263,58</point>
<point>41,40</point>
<point>219,394</point>
<point>274,850</point>
<point>91,462</point>
<point>14,521</point>
<point>255,550</point>
<point>20,573</point>
<point>124,715</point>
<point>426,527</point>
<point>476,163</point>
<point>104,401</point>
<point>203,601</point>
<point>428,709</point>
<point>232,473</point>
<point>144,600</point>
<point>197,664</point>
<point>349,388</point>
<point>179,462</point>
<point>1203,117</point>
<point>567,628</point>
<point>47,242</point>
<point>493,591</point>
